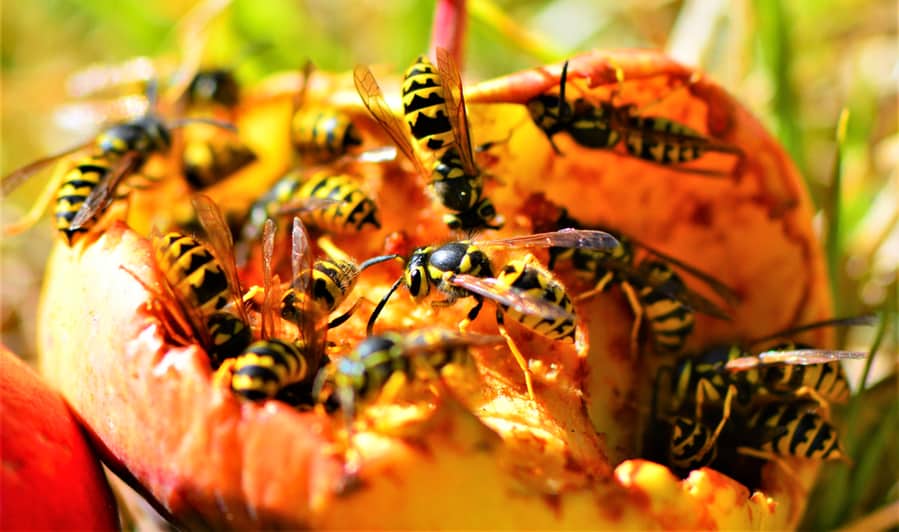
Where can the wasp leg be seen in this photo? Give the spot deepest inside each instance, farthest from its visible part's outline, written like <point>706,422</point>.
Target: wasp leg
<point>222,376</point>
<point>637,308</point>
<point>811,393</point>
<point>472,314</point>
<point>522,361</point>
<point>725,415</point>
<point>767,455</point>
<point>340,320</point>
<point>39,206</point>
<point>600,287</point>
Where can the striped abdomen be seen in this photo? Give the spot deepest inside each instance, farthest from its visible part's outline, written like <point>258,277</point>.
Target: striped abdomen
<point>454,188</point>
<point>228,336</point>
<point>77,184</point>
<point>193,273</point>
<point>208,161</point>
<point>424,107</point>
<point>591,126</point>
<point>332,281</point>
<point>268,205</point>
<point>670,321</point>
<point>352,210</point>
<point>663,141</point>
<point>828,380</point>
<point>689,447</point>
<point>323,133</point>
<point>266,367</point>
<point>799,430</point>
<point>540,284</point>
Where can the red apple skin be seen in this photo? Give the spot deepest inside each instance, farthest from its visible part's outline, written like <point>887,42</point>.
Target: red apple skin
<point>50,477</point>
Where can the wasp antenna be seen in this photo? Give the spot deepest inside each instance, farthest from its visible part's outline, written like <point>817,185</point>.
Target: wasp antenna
<point>378,260</point>
<point>374,315</point>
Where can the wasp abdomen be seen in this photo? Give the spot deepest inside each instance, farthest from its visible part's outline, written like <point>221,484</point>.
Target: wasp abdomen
<point>267,366</point>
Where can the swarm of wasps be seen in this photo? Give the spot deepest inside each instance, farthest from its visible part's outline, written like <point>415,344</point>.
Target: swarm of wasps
<point>270,342</point>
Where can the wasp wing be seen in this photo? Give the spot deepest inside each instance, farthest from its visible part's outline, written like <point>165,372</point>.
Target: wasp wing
<point>311,319</point>
<point>269,297</point>
<point>717,286</point>
<point>304,205</point>
<point>17,177</point>
<point>370,92</point>
<point>866,319</point>
<point>100,197</point>
<point>455,108</point>
<point>793,357</point>
<point>426,341</point>
<point>218,235</point>
<point>566,238</point>
<point>510,296</point>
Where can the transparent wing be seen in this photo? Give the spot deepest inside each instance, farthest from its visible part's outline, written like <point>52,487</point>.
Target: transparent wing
<point>17,177</point>
<point>794,357</point>
<point>181,313</point>
<point>102,194</point>
<point>426,341</point>
<point>94,114</point>
<point>866,319</point>
<point>312,320</point>
<point>512,297</point>
<point>303,205</point>
<point>678,292</point>
<point>717,286</point>
<point>268,284</point>
<point>218,235</point>
<point>455,107</point>
<point>373,98</point>
<point>567,238</point>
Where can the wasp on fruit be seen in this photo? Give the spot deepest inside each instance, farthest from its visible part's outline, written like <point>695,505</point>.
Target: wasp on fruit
<point>653,289</point>
<point>604,125</point>
<point>272,364</point>
<point>200,282</point>
<point>524,291</point>
<point>435,112</point>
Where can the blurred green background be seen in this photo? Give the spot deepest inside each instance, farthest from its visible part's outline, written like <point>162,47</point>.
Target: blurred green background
<point>795,64</point>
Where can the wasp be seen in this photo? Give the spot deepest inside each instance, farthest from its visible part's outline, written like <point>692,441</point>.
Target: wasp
<point>784,372</point>
<point>272,363</point>
<point>320,133</point>
<point>333,279</point>
<point>653,289</point>
<point>87,187</point>
<point>378,362</point>
<point>331,202</point>
<point>524,291</point>
<point>436,114</point>
<point>201,281</point>
<point>604,125</point>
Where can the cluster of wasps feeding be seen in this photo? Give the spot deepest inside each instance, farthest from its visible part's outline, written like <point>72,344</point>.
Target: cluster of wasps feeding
<point>273,340</point>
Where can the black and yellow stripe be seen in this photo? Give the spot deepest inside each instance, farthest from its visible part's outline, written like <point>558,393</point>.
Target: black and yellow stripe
<point>266,367</point>
<point>323,133</point>
<point>670,321</point>
<point>332,282</point>
<point>663,141</point>
<point>77,184</point>
<point>193,273</point>
<point>539,284</point>
<point>206,161</point>
<point>798,431</point>
<point>228,336</point>
<point>689,447</point>
<point>424,106</point>
<point>827,380</point>
<point>352,211</point>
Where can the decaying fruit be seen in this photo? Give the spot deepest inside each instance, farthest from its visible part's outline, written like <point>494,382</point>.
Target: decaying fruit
<point>487,457</point>
<point>51,478</point>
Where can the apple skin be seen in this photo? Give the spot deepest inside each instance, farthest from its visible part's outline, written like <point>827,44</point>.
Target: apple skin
<point>51,478</point>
